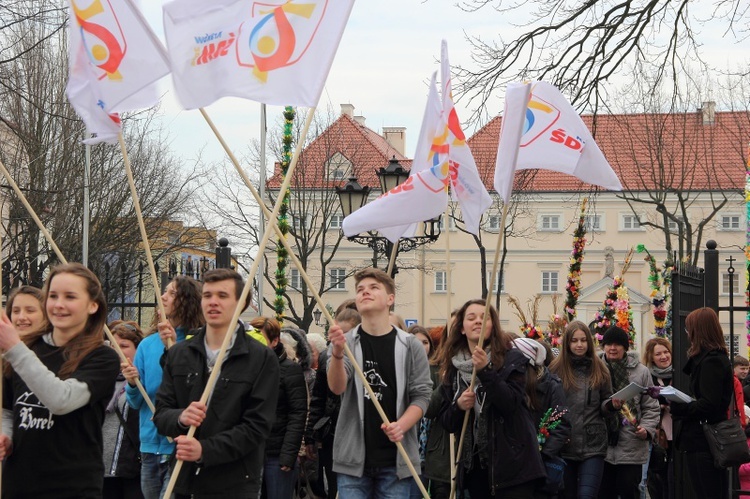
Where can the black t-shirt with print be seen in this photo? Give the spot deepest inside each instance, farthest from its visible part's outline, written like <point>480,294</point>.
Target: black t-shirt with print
<point>379,366</point>
<point>59,456</point>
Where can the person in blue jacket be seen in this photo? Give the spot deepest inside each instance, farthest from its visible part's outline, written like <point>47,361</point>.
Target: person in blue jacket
<point>182,305</point>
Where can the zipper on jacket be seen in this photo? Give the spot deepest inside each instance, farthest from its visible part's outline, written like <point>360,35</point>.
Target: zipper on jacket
<point>588,395</point>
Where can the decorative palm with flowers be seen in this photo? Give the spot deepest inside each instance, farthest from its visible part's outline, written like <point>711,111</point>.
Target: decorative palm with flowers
<point>660,285</point>
<point>573,286</point>
<point>616,308</point>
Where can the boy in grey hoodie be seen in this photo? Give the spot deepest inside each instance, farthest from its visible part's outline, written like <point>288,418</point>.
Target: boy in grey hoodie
<point>365,456</point>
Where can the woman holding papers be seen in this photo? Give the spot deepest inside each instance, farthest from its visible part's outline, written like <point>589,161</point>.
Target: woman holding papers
<point>657,356</point>
<point>500,455</point>
<point>54,398</point>
<point>588,388</point>
<point>711,384</point>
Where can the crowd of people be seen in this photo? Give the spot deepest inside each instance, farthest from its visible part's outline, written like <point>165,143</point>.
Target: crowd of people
<point>471,409</point>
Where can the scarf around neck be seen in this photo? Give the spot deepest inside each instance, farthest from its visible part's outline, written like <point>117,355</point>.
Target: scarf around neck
<point>661,373</point>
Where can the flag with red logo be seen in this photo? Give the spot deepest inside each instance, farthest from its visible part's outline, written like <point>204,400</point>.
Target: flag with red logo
<point>86,100</point>
<point>424,195</point>
<point>271,51</point>
<point>466,185</point>
<point>124,56</point>
<point>540,129</point>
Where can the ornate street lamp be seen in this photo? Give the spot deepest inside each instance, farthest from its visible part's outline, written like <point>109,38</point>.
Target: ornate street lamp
<point>316,315</point>
<point>392,175</point>
<point>352,196</point>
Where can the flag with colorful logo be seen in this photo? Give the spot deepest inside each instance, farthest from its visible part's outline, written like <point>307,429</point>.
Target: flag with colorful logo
<point>125,57</point>
<point>85,99</point>
<point>271,51</point>
<point>540,129</point>
<point>424,195</point>
<point>466,185</point>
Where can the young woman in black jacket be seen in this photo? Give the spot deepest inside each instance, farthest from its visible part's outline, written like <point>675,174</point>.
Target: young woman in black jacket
<point>280,470</point>
<point>500,457</point>
<point>711,384</point>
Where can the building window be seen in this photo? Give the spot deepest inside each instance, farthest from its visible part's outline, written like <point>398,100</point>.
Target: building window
<point>301,223</point>
<point>725,284</point>
<point>549,222</point>
<point>593,222</point>
<point>549,281</point>
<point>729,222</point>
<point>451,223</point>
<point>338,279</point>
<point>295,280</point>
<point>441,281</point>
<point>631,222</point>
<point>494,284</point>
<point>736,343</point>
<point>493,223</point>
<point>337,167</point>
<point>335,222</point>
<point>674,226</point>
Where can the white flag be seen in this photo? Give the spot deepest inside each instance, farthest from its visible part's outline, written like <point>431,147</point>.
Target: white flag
<point>542,130</point>
<point>275,51</point>
<point>125,57</point>
<point>84,97</point>
<point>467,187</point>
<point>424,195</point>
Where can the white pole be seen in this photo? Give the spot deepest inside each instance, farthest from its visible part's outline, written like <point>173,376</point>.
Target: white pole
<point>262,192</point>
<point>86,207</point>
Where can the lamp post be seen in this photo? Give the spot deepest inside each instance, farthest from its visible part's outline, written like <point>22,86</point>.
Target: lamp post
<point>353,196</point>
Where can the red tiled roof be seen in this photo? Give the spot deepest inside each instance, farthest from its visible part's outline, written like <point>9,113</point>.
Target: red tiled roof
<point>364,148</point>
<point>642,149</point>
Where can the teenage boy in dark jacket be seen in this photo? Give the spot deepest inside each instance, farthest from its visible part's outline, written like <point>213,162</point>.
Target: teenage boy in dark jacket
<point>225,458</point>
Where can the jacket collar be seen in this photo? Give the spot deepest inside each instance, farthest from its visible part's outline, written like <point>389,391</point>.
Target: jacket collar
<point>196,340</point>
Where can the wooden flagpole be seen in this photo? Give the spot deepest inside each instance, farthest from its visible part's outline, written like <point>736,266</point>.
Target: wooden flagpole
<point>487,305</point>
<point>303,274</point>
<point>142,226</point>
<point>63,260</point>
<point>392,257</point>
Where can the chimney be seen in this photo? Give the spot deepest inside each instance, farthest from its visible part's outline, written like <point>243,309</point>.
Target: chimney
<point>708,110</point>
<point>347,109</point>
<point>360,120</point>
<point>396,138</point>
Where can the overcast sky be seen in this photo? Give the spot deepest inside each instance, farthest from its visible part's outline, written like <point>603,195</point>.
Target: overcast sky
<point>388,52</point>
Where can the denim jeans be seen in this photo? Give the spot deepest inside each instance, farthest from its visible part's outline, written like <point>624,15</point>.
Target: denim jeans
<point>278,484</point>
<point>583,478</point>
<point>375,483</point>
<point>154,475</point>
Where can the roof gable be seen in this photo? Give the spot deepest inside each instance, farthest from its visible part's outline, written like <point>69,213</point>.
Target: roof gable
<point>364,149</point>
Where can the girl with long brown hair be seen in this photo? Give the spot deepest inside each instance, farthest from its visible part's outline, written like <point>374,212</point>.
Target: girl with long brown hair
<point>588,388</point>
<point>54,398</point>
<point>500,455</point>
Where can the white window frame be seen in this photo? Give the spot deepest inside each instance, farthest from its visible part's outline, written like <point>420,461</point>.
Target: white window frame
<point>493,223</point>
<point>552,222</point>
<point>594,222</point>
<point>722,226</point>
<point>634,222</point>
<point>295,279</point>
<point>305,225</point>
<point>451,224</point>
<point>337,276</point>
<point>736,343</point>
<point>494,282</point>
<point>548,277</point>
<point>673,227</point>
<point>441,281</point>
<point>725,284</point>
<point>335,222</point>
